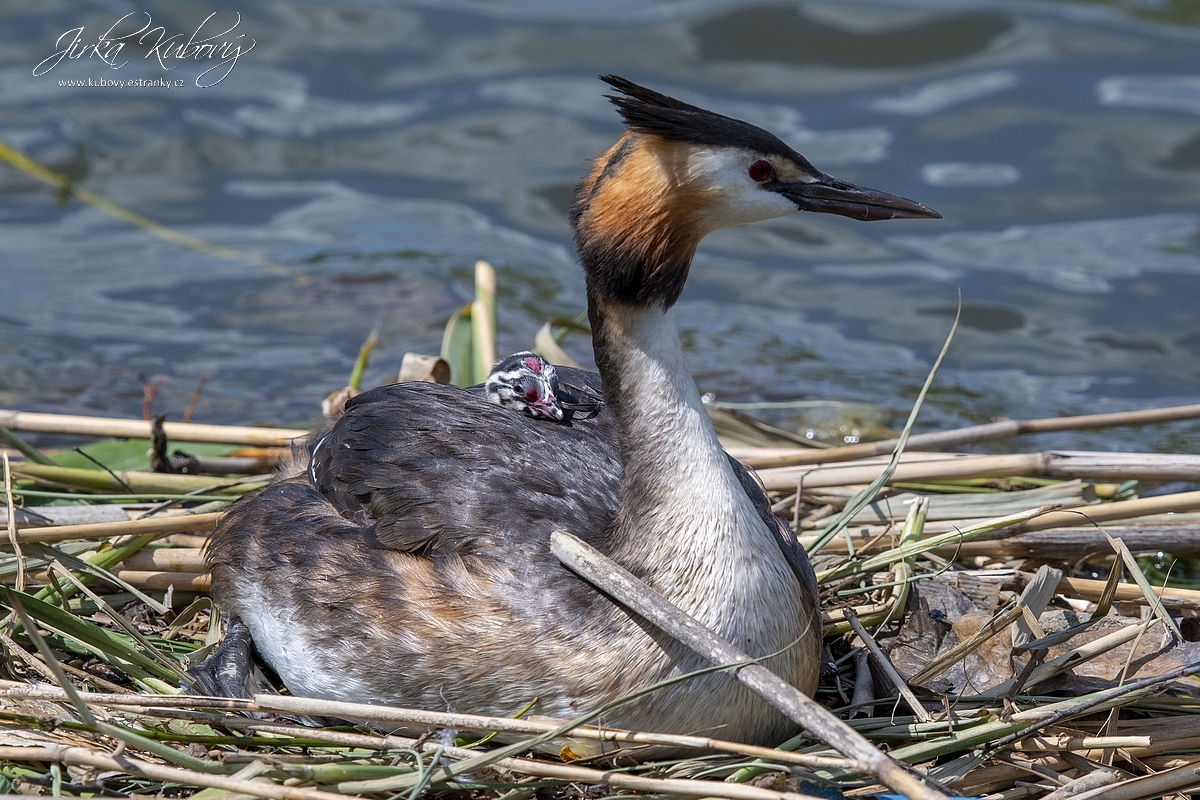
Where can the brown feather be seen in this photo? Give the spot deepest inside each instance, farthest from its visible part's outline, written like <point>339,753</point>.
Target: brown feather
<point>638,209</point>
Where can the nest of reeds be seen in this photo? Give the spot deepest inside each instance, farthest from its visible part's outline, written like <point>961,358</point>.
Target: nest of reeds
<point>1002,625</point>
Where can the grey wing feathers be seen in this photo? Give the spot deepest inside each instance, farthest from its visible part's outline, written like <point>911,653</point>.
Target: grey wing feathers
<point>789,545</point>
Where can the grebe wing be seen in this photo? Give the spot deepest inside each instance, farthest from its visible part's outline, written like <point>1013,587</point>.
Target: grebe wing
<point>580,392</point>
<point>436,468</point>
<point>785,537</point>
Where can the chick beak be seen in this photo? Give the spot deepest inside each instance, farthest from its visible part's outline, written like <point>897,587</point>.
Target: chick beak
<point>546,407</point>
<point>830,195</point>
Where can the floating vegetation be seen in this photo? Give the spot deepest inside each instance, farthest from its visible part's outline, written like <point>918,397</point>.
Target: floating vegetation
<point>998,625</point>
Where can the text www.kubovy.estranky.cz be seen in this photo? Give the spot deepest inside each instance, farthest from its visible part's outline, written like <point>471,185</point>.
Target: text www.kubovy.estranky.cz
<point>147,83</point>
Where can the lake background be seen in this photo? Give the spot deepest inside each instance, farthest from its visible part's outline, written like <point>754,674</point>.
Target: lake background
<point>371,153</point>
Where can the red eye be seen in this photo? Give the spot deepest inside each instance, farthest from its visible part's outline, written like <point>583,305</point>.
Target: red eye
<point>531,396</point>
<point>761,171</point>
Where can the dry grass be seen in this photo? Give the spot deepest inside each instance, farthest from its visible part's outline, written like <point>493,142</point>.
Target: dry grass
<point>1055,682</point>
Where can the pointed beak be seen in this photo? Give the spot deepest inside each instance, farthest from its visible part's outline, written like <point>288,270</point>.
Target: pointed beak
<point>828,195</point>
<point>546,409</point>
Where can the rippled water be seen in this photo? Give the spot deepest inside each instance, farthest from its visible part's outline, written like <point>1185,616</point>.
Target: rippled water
<point>372,153</point>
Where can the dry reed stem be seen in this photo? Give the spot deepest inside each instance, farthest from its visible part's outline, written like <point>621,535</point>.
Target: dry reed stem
<point>138,481</point>
<point>916,467</point>
<point>394,715</point>
<point>85,757</point>
<point>483,320</point>
<point>1147,786</point>
<point>1084,783</point>
<point>82,756</point>
<point>178,523</point>
<point>685,787</point>
<point>536,725</point>
<point>1126,592</point>
<point>1002,429</point>
<point>168,559</point>
<point>1104,512</point>
<point>1135,572</point>
<point>681,787</point>
<point>139,579</point>
<point>1054,744</point>
<point>1071,544</point>
<point>182,567</point>
<point>140,429</point>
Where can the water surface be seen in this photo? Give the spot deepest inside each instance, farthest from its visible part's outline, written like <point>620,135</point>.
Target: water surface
<point>370,153</point>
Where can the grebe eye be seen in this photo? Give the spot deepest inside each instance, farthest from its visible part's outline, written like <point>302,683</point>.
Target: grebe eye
<point>761,171</point>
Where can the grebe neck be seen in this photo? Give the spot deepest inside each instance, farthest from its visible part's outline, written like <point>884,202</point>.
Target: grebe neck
<point>684,520</point>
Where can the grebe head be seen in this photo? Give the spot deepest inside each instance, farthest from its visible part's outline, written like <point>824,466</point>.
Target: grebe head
<point>525,382</point>
<point>681,172</point>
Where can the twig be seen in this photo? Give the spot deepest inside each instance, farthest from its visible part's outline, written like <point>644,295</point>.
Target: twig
<point>195,400</point>
<point>101,465</point>
<point>1002,429</point>
<point>886,665</point>
<point>619,583</point>
<point>149,392</point>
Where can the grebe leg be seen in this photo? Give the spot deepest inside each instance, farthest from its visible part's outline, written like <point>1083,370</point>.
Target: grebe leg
<point>229,671</point>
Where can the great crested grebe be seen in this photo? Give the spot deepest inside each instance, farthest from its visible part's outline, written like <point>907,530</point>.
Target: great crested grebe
<point>410,563</point>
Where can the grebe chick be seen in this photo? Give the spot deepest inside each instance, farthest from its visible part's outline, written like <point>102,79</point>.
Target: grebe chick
<point>525,382</point>
<point>411,564</point>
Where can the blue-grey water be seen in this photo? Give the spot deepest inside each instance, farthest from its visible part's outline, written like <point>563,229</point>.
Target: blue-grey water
<point>367,154</point>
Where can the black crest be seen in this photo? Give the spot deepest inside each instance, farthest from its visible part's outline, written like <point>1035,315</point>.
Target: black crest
<point>647,111</point>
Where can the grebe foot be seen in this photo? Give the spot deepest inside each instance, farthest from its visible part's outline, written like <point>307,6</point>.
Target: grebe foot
<point>232,671</point>
<point>229,671</point>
